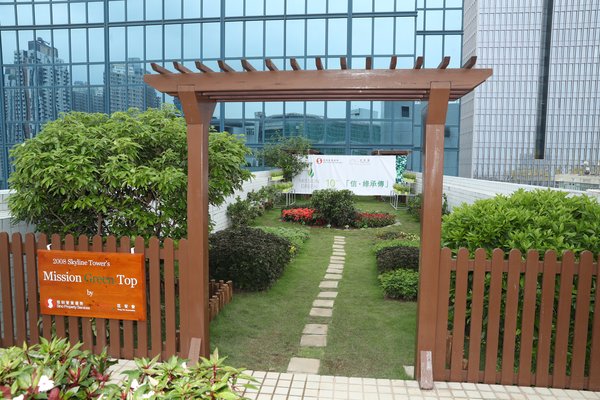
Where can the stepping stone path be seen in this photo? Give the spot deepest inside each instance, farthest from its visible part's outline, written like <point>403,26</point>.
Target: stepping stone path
<point>315,334</point>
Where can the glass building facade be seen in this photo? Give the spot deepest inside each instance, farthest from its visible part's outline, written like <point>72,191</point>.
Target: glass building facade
<point>546,85</point>
<point>59,55</point>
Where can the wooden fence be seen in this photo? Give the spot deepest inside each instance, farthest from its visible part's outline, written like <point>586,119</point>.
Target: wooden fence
<point>220,294</point>
<point>518,321</point>
<point>166,300</point>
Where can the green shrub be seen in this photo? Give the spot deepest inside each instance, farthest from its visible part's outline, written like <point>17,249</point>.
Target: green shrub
<point>296,236</point>
<point>56,370</point>
<point>335,207</point>
<point>392,258</point>
<point>266,197</point>
<point>243,212</point>
<point>409,176</point>
<point>414,205</point>
<point>400,188</point>
<point>394,243</point>
<point>541,220</point>
<point>400,284</point>
<point>388,235</point>
<point>373,220</point>
<point>251,258</point>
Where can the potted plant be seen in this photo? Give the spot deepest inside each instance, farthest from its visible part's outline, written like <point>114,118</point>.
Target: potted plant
<point>409,177</point>
<point>401,189</point>
<point>284,187</point>
<point>276,175</point>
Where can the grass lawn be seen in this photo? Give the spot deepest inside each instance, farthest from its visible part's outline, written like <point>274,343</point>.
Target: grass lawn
<point>368,336</point>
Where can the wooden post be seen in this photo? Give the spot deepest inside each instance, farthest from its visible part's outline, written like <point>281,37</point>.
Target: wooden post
<point>197,115</point>
<point>431,223</point>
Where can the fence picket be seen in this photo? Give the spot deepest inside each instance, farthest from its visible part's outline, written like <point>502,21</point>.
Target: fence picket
<point>101,340</point>
<point>584,286</point>
<point>528,318</point>
<point>114,337</point>
<point>5,283</point>
<point>19,286</point>
<point>561,346</point>
<point>87,334</point>
<point>73,327</point>
<point>493,328</point>
<point>32,290</point>
<point>46,319</point>
<point>142,326</point>
<point>460,309</point>
<point>546,317</point>
<point>510,317</point>
<point>154,300</point>
<point>170,308</point>
<point>476,315</point>
<point>127,350</point>
<point>594,374</point>
<point>184,299</point>
<point>59,320</point>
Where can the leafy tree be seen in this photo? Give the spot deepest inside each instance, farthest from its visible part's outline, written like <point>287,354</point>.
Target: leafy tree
<point>123,174</point>
<point>287,153</point>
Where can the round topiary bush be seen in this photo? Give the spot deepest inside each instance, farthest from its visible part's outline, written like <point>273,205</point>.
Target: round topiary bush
<point>392,258</point>
<point>251,258</point>
<point>335,207</point>
<point>540,220</point>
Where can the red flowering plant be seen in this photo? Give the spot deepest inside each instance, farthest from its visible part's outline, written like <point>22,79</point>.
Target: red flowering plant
<point>374,220</point>
<point>305,216</point>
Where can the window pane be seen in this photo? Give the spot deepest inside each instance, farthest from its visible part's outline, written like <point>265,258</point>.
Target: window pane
<point>25,14</point>
<point>42,14</point>
<point>116,11</point>
<point>362,6</point>
<point>97,74</point>
<point>385,5</point>
<point>254,39</point>
<point>315,41</point>
<point>336,109</point>
<point>96,44</point>
<point>77,13</point>
<point>384,31</point>
<point>191,41</point>
<point>338,6</point>
<point>234,38</point>
<point>452,48</point>
<point>295,38</point>
<point>405,33</point>
<point>61,42</point>
<point>295,7</point>
<point>173,11</point>
<point>274,7</point>
<point>153,9</point>
<point>254,7</point>
<point>173,42</point>
<point>191,9</point>
<point>274,39</point>
<point>316,7</point>
<point>336,37</point>
<point>7,14</point>
<point>433,51</point>
<point>154,43</point>
<point>434,20</point>
<point>95,12</point>
<point>361,36</point>
<point>79,45</point>
<point>211,34</point>
<point>234,8</point>
<point>211,8</point>
<point>453,20</point>
<point>60,14</point>
<point>135,36</point>
<point>117,44</point>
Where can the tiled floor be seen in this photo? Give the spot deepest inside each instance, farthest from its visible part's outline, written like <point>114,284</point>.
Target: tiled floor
<point>287,386</point>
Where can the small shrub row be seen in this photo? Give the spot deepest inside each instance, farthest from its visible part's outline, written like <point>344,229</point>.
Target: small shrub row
<point>402,284</point>
<point>373,220</point>
<point>384,244</point>
<point>305,216</point>
<point>243,212</point>
<point>415,203</point>
<point>392,258</point>
<point>251,258</point>
<point>296,236</point>
<point>56,370</point>
<point>389,235</point>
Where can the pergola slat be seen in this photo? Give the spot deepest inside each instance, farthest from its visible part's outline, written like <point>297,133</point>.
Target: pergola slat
<point>247,66</point>
<point>181,68</point>
<point>369,63</point>
<point>203,68</point>
<point>270,65</point>
<point>319,63</point>
<point>294,64</point>
<point>159,69</point>
<point>470,62</point>
<point>393,62</point>
<point>445,62</point>
<point>343,63</point>
<point>224,66</point>
<point>418,63</point>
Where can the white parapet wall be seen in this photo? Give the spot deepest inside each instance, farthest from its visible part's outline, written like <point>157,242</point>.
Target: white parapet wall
<point>218,214</point>
<point>6,223</point>
<point>467,190</point>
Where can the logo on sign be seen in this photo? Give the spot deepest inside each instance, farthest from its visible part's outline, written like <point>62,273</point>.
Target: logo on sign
<point>50,305</point>
<point>319,161</point>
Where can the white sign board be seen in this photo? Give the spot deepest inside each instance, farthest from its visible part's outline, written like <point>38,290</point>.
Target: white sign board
<point>363,175</point>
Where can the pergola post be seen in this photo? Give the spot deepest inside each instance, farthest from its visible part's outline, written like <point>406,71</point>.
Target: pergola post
<point>195,324</point>
<point>431,228</point>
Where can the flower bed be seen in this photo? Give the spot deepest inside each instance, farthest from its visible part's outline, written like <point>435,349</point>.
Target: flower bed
<point>306,216</point>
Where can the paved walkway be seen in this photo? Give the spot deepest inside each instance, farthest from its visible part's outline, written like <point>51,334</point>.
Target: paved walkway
<point>298,386</point>
<point>315,333</point>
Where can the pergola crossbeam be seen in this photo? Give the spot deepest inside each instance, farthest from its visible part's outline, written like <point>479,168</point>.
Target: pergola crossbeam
<point>470,63</point>
<point>294,64</point>
<point>270,65</point>
<point>224,66</point>
<point>418,63</point>
<point>181,68</point>
<point>203,68</point>
<point>247,66</point>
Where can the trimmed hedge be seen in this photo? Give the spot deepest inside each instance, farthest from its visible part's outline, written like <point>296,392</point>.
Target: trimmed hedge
<point>251,258</point>
<point>296,236</point>
<point>393,258</point>
<point>394,243</point>
<point>402,284</point>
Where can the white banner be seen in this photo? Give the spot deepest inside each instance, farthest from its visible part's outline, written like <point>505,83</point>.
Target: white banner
<point>363,175</point>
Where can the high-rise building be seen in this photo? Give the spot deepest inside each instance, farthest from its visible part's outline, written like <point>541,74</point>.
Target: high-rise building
<point>544,97</point>
<point>107,46</point>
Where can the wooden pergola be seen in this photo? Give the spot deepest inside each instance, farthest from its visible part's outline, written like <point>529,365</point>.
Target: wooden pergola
<point>200,91</point>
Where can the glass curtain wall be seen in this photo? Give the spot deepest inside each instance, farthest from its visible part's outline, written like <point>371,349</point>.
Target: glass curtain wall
<point>57,56</point>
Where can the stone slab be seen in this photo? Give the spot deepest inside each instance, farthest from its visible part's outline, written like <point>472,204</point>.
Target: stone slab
<point>328,295</point>
<point>328,285</point>
<point>337,258</point>
<point>409,370</point>
<point>339,254</point>
<point>336,264</point>
<point>323,303</point>
<point>315,329</point>
<point>334,270</point>
<point>340,237</point>
<point>304,365</point>
<point>313,341</point>
<point>333,276</point>
<point>321,312</point>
